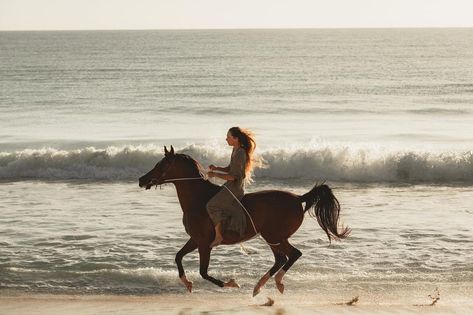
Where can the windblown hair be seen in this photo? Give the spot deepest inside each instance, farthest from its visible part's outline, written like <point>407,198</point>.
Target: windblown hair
<point>248,143</point>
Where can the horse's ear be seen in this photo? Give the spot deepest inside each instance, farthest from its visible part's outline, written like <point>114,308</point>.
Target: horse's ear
<point>166,152</point>
<point>172,150</point>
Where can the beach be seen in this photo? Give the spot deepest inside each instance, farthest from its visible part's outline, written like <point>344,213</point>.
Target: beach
<point>382,116</point>
<point>372,299</point>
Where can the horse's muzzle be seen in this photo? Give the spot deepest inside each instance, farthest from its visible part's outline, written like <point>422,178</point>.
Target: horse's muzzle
<point>148,183</point>
<point>142,182</point>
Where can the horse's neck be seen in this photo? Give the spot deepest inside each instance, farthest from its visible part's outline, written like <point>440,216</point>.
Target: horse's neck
<point>194,193</point>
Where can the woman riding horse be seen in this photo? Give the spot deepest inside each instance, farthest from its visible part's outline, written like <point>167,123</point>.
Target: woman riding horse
<point>274,214</point>
<point>224,207</point>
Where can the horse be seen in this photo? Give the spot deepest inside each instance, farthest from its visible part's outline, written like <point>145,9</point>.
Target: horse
<point>274,214</point>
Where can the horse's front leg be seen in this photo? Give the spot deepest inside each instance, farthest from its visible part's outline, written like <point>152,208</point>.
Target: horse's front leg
<point>186,249</point>
<point>204,255</point>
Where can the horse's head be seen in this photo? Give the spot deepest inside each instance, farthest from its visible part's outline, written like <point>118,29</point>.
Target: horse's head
<point>171,166</point>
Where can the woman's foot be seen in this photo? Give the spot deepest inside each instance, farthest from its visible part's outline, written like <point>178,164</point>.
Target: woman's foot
<point>217,241</point>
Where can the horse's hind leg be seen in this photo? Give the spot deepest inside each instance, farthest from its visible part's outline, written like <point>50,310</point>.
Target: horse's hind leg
<point>187,248</point>
<point>279,260</point>
<point>293,254</point>
<point>204,256</point>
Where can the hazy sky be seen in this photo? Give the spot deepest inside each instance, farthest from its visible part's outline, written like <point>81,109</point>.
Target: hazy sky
<point>190,14</point>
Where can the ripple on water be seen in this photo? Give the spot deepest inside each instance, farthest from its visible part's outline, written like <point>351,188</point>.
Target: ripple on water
<point>77,237</point>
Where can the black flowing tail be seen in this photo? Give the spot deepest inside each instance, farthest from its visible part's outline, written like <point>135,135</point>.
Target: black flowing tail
<point>326,209</point>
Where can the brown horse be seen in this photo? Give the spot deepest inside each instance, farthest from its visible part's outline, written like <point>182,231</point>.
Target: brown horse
<point>275,215</point>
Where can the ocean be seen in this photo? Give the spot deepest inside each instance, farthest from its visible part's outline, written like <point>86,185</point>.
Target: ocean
<point>384,116</point>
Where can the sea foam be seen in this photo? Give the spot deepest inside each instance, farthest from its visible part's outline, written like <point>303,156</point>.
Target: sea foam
<point>336,163</point>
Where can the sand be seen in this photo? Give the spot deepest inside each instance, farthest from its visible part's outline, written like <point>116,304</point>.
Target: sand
<point>454,299</point>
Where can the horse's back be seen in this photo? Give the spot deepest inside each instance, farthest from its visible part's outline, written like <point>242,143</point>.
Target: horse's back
<point>271,196</point>
<point>273,202</point>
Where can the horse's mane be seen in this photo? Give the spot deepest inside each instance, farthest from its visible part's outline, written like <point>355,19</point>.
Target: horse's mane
<point>195,165</point>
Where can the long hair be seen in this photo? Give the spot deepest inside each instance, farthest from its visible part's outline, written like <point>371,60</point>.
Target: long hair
<point>248,143</point>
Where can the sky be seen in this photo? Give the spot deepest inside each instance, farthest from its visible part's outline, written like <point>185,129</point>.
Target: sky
<point>225,14</point>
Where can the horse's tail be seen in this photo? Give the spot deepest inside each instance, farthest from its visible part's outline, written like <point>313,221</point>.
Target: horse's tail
<point>326,209</point>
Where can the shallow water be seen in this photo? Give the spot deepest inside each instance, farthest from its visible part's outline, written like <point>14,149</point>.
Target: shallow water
<point>116,238</point>
<point>383,115</point>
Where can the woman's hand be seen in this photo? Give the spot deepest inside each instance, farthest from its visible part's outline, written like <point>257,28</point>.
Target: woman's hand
<point>212,167</point>
<point>211,174</point>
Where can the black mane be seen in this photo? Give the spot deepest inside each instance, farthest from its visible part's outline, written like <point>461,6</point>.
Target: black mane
<point>195,165</point>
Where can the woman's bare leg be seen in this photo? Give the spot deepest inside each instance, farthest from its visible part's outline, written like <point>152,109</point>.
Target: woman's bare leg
<point>218,235</point>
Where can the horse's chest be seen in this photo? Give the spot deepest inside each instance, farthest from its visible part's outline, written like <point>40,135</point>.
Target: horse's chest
<point>196,226</point>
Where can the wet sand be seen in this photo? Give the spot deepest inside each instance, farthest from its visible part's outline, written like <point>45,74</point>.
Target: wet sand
<point>454,299</point>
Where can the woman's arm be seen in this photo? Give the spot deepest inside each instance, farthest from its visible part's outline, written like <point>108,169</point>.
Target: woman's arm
<point>218,168</point>
<point>236,170</point>
<point>225,169</point>
<point>222,176</point>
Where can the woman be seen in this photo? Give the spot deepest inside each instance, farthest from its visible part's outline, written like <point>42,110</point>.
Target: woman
<point>223,208</point>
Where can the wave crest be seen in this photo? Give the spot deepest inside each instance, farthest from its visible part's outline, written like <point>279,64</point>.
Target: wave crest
<point>331,163</point>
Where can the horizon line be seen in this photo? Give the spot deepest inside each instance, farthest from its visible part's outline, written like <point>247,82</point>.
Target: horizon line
<point>240,28</point>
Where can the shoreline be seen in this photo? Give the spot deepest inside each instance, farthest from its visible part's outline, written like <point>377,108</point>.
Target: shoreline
<point>386,298</point>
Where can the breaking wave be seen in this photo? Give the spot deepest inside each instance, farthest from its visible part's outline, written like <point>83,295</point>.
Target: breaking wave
<point>342,164</point>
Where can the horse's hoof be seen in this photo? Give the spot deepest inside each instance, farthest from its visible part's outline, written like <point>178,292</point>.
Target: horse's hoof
<point>278,280</point>
<point>261,283</point>
<point>187,283</point>
<point>280,287</point>
<point>256,291</point>
<point>231,284</point>
<point>189,287</point>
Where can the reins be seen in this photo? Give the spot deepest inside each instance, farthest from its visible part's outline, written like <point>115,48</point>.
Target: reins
<point>203,178</point>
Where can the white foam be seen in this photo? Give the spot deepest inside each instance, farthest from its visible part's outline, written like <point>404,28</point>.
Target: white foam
<point>336,163</point>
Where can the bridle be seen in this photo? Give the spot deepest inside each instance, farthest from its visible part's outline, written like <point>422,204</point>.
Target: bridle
<point>155,181</point>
